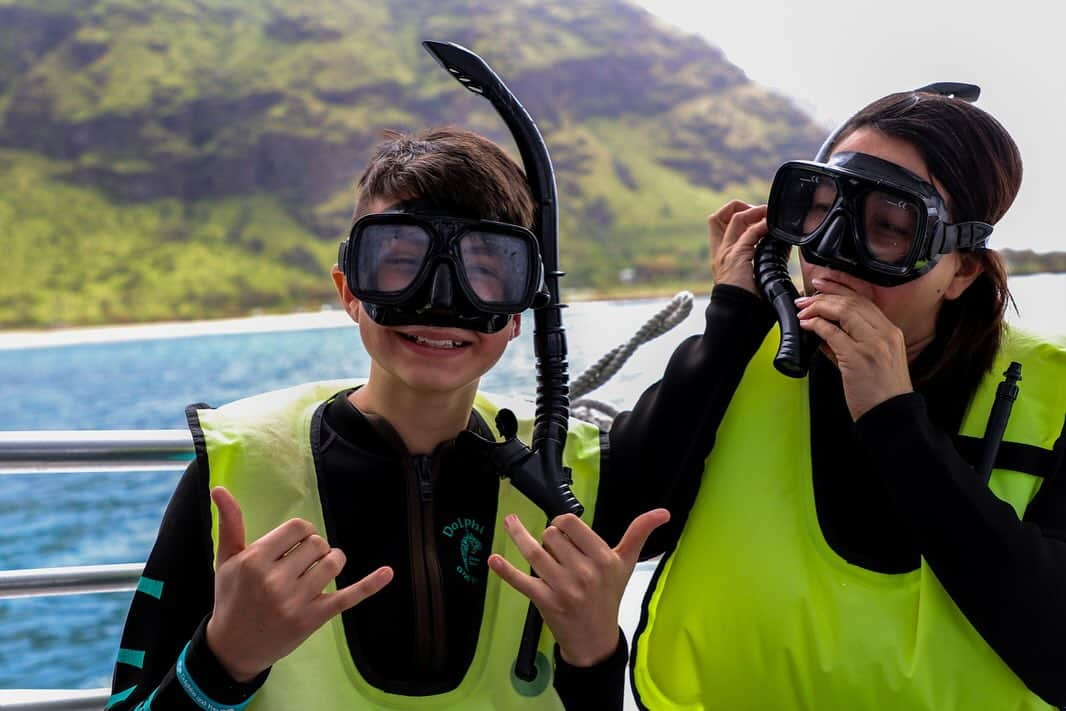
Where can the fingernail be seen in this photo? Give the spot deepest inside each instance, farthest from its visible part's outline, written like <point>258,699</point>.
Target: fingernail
<point>510,520</point>
<point>818,283</point>
<point>802,300</point>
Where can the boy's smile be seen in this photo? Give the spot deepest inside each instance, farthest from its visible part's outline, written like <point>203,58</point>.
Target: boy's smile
<point>429,359</point>
<point>435,341</point>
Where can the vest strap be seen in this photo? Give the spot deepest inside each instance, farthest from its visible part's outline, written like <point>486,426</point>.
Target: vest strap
<point>1025,458</point>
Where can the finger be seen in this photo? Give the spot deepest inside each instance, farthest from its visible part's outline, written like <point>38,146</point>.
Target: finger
<point>303,555</point>
<point>754,232</point>
<point>628,549</point>
<point>860,302</point>
<point>719,220</point>
<point>230,524</point>
<point>583,538</point>
<point>329,605</point>
<point>563,550</point>
<point>852,314</point>
<point>838,341</point>
<point>533,588</point>
<point>745,224</point>
<point>530,548</point>
<point>319,572</point>
<point>275,544</point>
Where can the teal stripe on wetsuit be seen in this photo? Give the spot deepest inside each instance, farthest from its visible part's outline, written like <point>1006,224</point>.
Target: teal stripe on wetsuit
<point>148,586</point>
<point>146,705</point>
<point>119,697</point>
<point>133,657</point>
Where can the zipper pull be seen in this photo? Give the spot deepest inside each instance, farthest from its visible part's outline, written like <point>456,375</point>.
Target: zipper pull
<point>424,468</point>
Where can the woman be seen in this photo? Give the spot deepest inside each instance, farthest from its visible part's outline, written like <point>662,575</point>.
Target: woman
<point>840,550</point>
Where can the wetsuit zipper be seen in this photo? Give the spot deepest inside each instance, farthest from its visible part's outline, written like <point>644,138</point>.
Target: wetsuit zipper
<point>426,579</point>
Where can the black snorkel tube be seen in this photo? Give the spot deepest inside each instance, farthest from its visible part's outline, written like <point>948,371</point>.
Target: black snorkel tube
<point>537,472</point>
<point>771,275</point>
<point>771,261</point>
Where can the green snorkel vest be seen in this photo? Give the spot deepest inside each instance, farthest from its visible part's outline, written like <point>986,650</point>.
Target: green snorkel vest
<point>754,610</point>
<point>260,449</point>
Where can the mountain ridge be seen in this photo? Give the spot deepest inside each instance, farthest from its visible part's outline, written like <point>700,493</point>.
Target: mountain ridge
<point>196,159</point>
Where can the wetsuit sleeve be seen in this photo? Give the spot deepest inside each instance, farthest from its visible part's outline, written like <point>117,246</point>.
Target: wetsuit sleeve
<point>1007,576</point>
<point>656,451</point>
<point>168,614</point>
<point>599,687</point>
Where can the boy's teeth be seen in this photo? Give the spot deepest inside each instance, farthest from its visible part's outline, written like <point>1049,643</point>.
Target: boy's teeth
<point>437,344</point>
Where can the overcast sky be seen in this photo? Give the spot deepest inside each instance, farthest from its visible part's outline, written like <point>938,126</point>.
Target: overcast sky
<point>833,56</point>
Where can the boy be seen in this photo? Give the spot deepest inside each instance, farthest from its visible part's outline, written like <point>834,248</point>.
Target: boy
<point>436,272</point>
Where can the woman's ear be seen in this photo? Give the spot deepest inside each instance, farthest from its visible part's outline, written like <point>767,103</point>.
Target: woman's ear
<point>347,298</point>
<point>516,326</point>
<point>967,270</point>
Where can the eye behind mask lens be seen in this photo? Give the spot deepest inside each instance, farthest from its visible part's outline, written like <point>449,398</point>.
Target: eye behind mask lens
<point>496,267</point>
<point>389,257</point>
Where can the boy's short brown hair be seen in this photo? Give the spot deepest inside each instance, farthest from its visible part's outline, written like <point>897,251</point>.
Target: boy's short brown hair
<point>452,169</point>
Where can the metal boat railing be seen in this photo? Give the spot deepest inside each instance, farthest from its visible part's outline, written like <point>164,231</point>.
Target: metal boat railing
<point>50,452</point>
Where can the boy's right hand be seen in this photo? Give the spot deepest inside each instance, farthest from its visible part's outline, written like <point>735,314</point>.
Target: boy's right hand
<point>268,595</point>
<point>733,232</point>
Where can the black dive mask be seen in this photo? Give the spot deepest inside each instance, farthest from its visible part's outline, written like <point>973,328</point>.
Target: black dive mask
<point>867,217</point>
<point>417,266</point>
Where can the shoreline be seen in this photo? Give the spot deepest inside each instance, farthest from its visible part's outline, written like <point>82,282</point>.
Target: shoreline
<point>29,338</point>
<point>25,339</point>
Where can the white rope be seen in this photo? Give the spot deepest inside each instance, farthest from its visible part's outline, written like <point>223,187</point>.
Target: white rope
<point>600,413</point>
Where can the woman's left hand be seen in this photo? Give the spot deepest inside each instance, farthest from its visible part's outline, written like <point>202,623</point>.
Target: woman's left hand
<point>581,580</point>
<point>869,350</point>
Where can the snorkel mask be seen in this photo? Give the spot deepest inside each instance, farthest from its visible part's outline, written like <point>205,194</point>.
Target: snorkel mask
<point>858,214</point>
<point>867,217</point>
<point>417,265</point>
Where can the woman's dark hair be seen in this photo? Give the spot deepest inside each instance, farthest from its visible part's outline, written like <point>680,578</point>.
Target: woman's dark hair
<point>450,168</point>
<point>976,160</point>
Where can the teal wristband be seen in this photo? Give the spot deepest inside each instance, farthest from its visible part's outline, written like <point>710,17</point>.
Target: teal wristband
<point>196,694</point>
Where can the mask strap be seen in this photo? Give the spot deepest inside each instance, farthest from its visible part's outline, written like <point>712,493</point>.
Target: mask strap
<point>962,235</point>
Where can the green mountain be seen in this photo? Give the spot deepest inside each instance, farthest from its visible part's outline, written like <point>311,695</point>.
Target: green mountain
<point>195,158</point>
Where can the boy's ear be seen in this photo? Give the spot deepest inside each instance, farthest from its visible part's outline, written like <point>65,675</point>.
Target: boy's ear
<point>516,326</point>
<point>347,298</point>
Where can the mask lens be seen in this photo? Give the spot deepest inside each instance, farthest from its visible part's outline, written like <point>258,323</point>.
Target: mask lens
<point>496,266</point>
<point>389,257</point>
<point>890,224</point>
<point>803,202</point>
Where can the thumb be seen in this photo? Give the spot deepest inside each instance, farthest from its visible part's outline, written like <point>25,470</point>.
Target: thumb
<point>637,534</point>
<point>230,524</point>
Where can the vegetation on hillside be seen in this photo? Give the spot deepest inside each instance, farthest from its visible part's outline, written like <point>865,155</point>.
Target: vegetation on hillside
<point>179,159</point>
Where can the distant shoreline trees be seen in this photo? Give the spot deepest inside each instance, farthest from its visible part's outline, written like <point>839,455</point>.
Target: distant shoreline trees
<point>1026,261</point>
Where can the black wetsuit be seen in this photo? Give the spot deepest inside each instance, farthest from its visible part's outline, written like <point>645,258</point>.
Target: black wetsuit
<point>920,498</point>
<point>918,503</point>
<point>378,502</point>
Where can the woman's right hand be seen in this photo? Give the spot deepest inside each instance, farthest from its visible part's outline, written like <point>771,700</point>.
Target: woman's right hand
<point>733,232</point>
<point>268,595</point>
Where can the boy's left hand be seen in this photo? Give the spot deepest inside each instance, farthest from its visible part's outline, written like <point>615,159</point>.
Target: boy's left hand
<point>581,580</point>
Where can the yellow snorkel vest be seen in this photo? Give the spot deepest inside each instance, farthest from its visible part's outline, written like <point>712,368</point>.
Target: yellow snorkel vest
<point>754,610</point>
<point>260,449</point>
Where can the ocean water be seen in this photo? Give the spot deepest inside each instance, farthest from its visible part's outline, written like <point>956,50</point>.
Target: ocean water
<point>83,518</point>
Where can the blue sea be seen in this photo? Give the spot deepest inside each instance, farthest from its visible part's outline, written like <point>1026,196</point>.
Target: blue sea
<point>95,518</point>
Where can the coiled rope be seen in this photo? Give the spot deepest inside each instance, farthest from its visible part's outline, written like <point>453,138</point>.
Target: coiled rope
<point>600,413</point>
